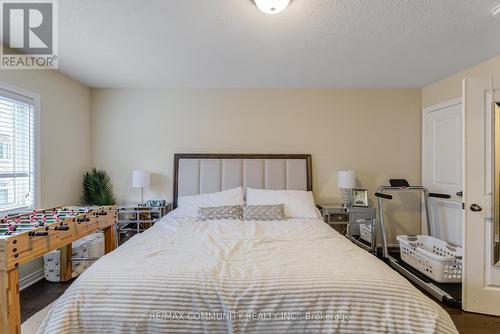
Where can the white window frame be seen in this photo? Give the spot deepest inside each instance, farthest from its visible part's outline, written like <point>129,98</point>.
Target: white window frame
<point>27,96</point>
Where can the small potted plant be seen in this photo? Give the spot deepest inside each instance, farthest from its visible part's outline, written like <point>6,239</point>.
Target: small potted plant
<point>97,188</point>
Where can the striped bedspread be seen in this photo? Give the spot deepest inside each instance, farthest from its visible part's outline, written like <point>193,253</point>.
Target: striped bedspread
<point>298,276</point>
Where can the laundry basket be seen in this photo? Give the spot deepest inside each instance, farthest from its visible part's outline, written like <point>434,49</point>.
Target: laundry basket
<point>433,257</point>
<point>91,246</point>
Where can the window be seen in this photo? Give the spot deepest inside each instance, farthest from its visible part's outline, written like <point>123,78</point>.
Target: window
<point>17,149</point>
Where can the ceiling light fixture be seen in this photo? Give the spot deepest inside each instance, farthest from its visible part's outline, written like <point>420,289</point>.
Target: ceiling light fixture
<point>496,11</point>
<point>272,6</point>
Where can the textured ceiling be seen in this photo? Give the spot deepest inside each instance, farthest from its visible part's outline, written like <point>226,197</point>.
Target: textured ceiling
<point>314,43</point>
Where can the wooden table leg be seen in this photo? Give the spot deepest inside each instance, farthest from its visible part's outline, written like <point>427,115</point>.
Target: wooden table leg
<point>10,312</point>
<point>109,239</point>
<point>66,268</point>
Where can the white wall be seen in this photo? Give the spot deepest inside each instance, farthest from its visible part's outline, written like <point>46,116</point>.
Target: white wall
<point>64,136</point>
<point>64,132</point>
<point>373,131</point>
<point>451,87</point>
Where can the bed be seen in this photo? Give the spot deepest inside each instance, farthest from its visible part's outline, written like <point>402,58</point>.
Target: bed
<point>240,276</point>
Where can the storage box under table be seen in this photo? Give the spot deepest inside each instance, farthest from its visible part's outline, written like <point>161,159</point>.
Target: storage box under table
<point>89,247</point>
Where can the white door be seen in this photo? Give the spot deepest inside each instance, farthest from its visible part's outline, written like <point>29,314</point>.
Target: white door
<point>481,291</point>
<point>442,167</point>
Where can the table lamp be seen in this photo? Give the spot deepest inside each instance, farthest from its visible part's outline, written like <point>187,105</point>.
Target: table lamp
<point>141,179</point>
<point>346,180</point>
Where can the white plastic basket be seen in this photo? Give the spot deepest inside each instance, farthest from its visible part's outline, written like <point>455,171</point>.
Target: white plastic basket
<point>365,232</point>
<point>433,257</point>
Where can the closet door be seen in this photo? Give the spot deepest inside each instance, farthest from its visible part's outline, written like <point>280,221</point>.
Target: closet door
<point>442,167</point>
<point>481,291</point>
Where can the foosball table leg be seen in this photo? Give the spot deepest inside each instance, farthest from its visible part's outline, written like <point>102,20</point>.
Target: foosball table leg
<point>109,239</point>
<point>65,263</point>
<point>10,313</point>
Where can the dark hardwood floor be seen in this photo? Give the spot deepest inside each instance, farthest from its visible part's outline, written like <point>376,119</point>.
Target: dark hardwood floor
<point>42,293</point>
<point>473,323</point>
<point>36,297</point>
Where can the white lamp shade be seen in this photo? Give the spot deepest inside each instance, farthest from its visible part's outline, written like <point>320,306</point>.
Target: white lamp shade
<point>346,179</point>
<point>272,6</point>
<point>141,179</point>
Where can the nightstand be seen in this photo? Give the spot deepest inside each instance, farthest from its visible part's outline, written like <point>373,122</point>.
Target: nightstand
<point>134,218</point>
<point>359,222</point>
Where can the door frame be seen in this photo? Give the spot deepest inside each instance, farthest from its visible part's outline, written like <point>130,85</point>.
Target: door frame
<point>436,107</point>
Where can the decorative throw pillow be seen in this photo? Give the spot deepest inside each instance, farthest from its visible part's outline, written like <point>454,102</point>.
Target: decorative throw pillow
<point>264,212</point>
<point>220,212</point>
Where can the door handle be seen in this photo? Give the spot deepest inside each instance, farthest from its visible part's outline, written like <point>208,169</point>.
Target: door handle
<point>460,193</point>
<point>475,207</point>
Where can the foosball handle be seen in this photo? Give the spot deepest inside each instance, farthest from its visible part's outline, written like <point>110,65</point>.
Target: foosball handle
<point>102,213</point>
<point>61,228</point>
<point>39,234</point>
<point>82,220</point>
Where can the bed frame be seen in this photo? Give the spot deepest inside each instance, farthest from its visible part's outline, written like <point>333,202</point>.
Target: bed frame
<point>199,173</point>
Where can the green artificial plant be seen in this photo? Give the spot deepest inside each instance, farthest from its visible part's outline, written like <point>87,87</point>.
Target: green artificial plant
<point>97,188</point>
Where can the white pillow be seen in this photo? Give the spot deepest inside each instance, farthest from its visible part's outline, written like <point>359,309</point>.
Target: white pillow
<point>188,206</point>
<point>298,204</point>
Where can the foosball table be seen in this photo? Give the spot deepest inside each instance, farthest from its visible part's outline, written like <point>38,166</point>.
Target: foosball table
<point>26,236</point>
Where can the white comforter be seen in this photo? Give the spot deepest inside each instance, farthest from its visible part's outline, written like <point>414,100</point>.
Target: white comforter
<point>237,276</point>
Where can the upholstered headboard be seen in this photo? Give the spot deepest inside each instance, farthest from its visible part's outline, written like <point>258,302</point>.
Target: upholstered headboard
<point>207,173</point>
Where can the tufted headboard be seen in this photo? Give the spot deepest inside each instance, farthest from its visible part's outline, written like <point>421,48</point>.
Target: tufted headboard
<point>207,173</point>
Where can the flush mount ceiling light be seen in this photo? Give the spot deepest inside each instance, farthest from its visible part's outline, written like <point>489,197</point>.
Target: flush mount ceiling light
<point>272,6</point>
<point>496,11</point>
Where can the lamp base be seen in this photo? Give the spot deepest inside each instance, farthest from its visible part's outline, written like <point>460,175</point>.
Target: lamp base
<point>347,198</point>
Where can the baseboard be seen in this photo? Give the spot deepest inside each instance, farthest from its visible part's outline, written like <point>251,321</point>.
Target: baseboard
<point>31,279</point>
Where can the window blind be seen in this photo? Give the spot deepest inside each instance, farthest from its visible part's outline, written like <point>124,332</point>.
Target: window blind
<point>17,152</point>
